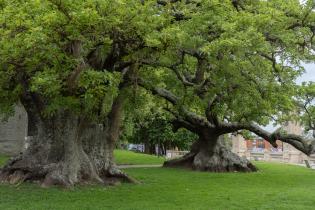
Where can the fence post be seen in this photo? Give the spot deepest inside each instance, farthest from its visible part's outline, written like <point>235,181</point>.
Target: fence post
<point>266,155</point>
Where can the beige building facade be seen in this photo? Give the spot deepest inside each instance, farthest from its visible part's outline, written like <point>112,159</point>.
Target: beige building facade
<point>288,154</point>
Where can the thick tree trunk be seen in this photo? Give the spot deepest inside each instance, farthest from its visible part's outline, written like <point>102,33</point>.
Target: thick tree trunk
<point>149,148</point>
<point>210,154</point>
<point>66,150</point>
<point>55,155</point>
<point>100,149</point>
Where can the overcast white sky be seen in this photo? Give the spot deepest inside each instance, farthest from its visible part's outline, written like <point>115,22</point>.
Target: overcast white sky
<point>309,75</point>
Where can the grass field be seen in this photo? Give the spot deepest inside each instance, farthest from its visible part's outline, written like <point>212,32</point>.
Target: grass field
<point>132,158</point>
<point>275,186</point>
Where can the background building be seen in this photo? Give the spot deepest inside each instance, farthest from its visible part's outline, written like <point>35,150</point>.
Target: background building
<point>259,149</point>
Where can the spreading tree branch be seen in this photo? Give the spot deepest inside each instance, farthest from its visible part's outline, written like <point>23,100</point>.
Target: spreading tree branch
<point>169,96</point>
<point>172,67</point>
<point>186,115</point>
<point>299,142</point>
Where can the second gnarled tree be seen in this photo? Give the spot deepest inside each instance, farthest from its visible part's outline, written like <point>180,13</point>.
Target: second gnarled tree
<point>230,67</point>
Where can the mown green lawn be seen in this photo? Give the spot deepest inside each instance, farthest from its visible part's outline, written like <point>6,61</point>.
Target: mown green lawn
<point>276,186</point>
<point>131,158</point>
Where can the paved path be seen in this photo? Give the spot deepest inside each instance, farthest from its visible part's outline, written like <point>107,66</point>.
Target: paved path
<point>139,166</point>
<point>312,166</point>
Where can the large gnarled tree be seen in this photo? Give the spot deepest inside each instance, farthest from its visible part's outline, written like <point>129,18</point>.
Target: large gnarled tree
<point>230,66</point>
<point>68,63</point>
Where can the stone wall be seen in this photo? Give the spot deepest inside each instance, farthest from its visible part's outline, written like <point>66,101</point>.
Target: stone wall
<point>13,132</point>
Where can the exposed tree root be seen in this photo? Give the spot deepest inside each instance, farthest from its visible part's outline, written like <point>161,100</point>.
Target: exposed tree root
<point>184,162</point>
<point>220,159</point>
<point>114,175</point>
<point>56,175</point>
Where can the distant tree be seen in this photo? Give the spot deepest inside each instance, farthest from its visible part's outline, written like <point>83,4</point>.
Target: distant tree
<point>156,130</point>
<point>147,123</point>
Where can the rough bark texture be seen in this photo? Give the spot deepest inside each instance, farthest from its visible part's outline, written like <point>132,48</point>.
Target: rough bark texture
<point>67,150</point>
<point>100,149</point>
<point>54,155</point>
<point>210,154</point>
<point>100,144</point>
